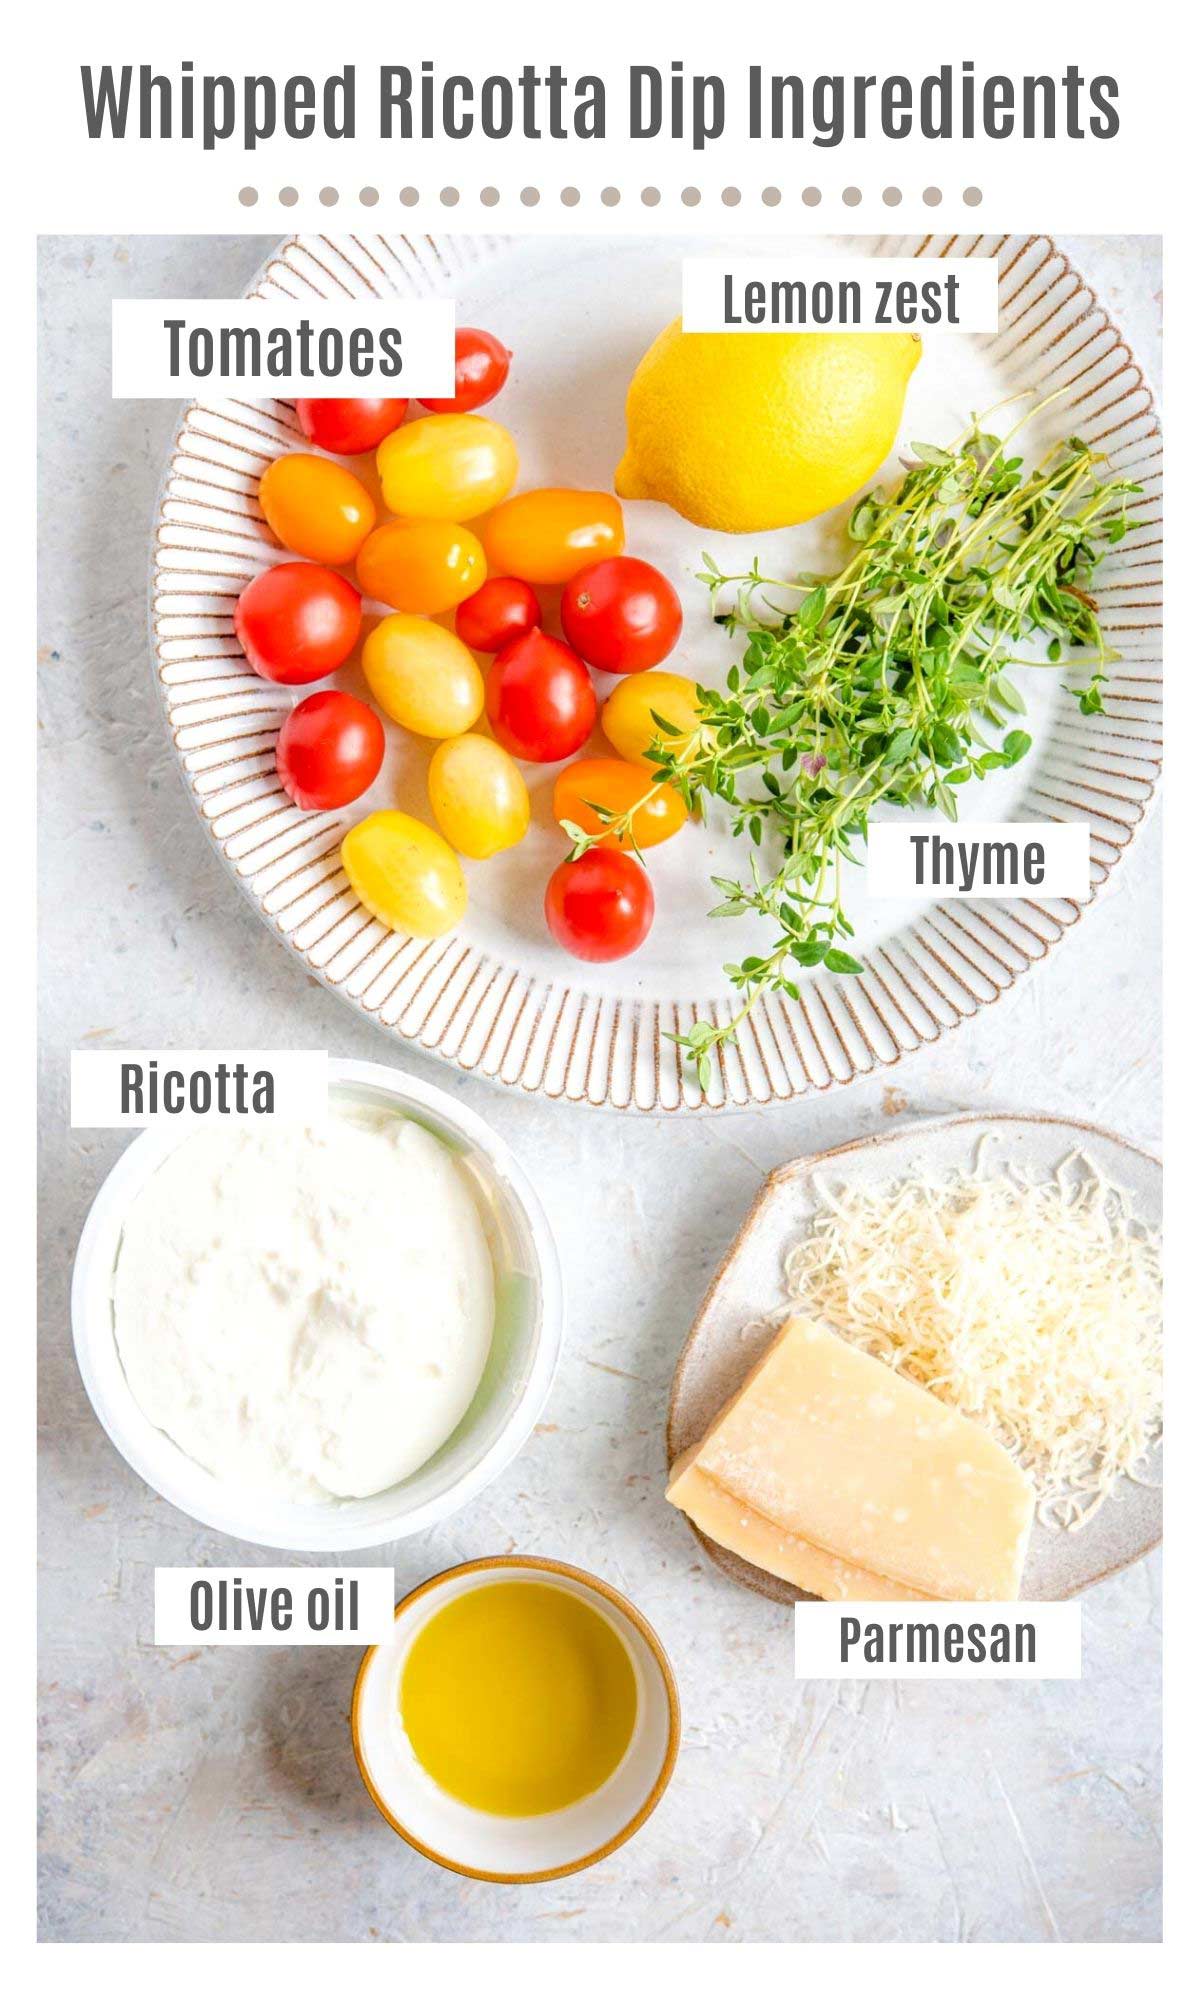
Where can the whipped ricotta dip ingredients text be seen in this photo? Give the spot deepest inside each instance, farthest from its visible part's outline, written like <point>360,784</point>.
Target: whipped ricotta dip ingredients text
<point>308,1311</point>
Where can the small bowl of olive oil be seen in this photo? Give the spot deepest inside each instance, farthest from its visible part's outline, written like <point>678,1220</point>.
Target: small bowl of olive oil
<point>521,1722</point>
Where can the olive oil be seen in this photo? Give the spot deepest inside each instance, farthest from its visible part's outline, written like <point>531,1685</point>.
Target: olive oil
<point>518,1698</point>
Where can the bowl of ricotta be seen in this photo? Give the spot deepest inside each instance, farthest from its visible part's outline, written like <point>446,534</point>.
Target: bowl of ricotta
<point>323,1336</point>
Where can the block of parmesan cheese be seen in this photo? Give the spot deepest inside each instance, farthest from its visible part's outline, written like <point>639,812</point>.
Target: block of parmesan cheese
<point>829,1469</point>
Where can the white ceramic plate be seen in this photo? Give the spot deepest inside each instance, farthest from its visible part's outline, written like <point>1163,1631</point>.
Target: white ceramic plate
<point>724,1342</point>
<point>496,996</point>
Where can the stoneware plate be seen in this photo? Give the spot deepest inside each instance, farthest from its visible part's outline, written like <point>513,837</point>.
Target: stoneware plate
<point>496,996</point>
<point>746,1299</point>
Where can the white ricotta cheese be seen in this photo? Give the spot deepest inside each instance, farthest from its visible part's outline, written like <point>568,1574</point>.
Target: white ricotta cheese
<point>306,1312</point>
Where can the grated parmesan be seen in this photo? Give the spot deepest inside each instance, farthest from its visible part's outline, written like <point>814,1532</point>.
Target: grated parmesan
<point>1033,1307</point>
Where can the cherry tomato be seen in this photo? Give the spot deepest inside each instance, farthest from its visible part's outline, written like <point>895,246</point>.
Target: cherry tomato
<point>316,508</point>
<point>546,535</point>
<point>618,788</point>
<point>478,796</point>
<point>349,424</point>
<point>621,615</point>
<point>425,566</point>
<point>480,371</point>
<point>503,609</point>
<point>422,676</point>
<point>297,622</point>
<point>405,874</point>
<point>601,906</point>
<point>540,701</point>
<point>329,750</point>
<point>447,468</point>
<point>628,717</point>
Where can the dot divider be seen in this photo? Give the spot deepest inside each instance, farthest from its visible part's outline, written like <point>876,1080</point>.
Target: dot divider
<point>611,197</point>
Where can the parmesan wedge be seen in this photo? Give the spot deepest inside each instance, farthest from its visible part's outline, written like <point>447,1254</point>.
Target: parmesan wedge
<point>829,1469</point>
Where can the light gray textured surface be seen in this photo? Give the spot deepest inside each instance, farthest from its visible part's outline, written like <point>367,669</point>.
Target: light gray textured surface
<point>213,1795</point>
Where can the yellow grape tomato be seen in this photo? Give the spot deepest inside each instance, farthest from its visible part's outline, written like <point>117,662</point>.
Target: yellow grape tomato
<point>627,718</point>
<point>405,874</point>
<point>447,468</point>
<point>547,535</point>
<point>618,788</point>
<point>422,676</point>
<point>426,566</point>
<point>316,508</point>
<point>478,795</point>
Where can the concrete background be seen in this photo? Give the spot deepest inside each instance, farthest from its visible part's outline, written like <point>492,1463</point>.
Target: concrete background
<point>213,1795</point>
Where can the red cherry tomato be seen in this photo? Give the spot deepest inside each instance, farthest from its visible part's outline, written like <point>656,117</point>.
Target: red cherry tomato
<point>297,622</point>
<point>349,424</point>
<point>621,615</point>
<point>601,906</point>
<point>540,701</point>
<point>480,371</point>
<point>329,750</point>
<point>502,609</point>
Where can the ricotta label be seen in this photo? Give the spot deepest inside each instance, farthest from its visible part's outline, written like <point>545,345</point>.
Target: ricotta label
<point>114,1088</point>
<point>273,1607</point>
<point>973,1641</point>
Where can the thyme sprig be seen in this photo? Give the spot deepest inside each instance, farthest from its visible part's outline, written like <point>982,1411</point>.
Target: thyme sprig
<point>888,682</point>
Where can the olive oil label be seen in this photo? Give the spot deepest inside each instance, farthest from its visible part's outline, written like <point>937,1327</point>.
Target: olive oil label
<point>273,1607</point>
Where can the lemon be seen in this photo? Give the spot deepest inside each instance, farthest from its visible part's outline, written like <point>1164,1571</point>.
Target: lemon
<point>748,431</point>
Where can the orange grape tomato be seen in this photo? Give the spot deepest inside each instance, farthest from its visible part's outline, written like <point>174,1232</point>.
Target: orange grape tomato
<point>405,874</point>
<point>425,566</point>
<point>617,787</point>
<point>479,798</point>
<point>627,717</point>
<point>422,676</point>
<point>316,508</point>
<point>447,468</point>
<point>546,535</point>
